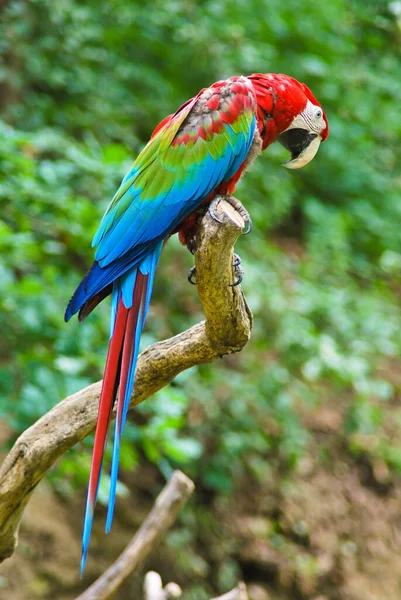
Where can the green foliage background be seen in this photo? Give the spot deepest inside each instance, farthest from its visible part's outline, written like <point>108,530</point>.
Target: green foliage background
<point>82,86</point>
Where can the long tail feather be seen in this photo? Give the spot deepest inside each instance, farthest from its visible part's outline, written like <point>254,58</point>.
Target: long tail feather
<point>130,302</point>
<point>128,365</point>
<point>106,402</point>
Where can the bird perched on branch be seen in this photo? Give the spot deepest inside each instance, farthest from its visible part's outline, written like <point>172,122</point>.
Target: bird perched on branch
<point>194,154</point>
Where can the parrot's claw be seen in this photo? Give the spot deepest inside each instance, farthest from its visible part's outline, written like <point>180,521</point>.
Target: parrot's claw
<point>192,276</point>
<point>214,204</point>
<point>191,245</point>
<point>236,260</point>
<point>240,208</point>
<point>237,205</point>
<point>249,226</point>
<point>238,270</point>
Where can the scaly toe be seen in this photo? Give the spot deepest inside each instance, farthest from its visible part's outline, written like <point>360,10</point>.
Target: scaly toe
<point>191,245</point>
<point>212,206</point>
<point>238,270</point>
<point>249,225</point>
<point>240,208</point>
<point>192,276</point>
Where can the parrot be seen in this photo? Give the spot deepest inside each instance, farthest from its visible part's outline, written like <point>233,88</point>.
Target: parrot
<point>193,155</point>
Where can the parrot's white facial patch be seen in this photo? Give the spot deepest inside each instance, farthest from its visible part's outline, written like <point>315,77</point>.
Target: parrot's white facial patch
<point>303,136</point>
<point>311,118</point>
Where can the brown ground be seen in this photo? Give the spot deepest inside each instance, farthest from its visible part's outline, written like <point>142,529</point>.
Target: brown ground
<point>331,533</point>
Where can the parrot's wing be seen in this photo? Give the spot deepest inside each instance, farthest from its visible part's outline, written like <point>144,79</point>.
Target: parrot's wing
<point>190,153</point>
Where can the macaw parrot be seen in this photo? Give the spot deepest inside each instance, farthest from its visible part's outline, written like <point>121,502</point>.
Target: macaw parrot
<point>194,154</point>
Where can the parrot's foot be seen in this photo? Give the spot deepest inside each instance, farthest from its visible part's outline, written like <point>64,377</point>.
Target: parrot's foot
<point>191,244</point>
<point>189,239</point>
<point>238,272</point>
<point>237,205</point>
<point>192,276</point>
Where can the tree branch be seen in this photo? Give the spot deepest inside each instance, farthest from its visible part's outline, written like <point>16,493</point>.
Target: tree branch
<point>226,329</point>
<point>162,516</point>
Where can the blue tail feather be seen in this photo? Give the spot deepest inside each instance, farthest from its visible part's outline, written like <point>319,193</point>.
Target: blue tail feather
<point>126,287</point>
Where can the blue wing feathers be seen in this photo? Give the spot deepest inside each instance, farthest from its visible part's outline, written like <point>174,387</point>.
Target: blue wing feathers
<point>135,223</point>
<point>137,232</point>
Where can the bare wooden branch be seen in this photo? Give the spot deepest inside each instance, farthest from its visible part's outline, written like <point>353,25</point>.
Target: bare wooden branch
<point>161,517</point>
<point>226,329</point>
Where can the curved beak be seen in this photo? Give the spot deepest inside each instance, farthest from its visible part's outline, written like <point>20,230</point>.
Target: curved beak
<point>302,144</point>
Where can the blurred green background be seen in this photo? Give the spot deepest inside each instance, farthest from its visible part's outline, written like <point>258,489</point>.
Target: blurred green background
<point>315,393</point>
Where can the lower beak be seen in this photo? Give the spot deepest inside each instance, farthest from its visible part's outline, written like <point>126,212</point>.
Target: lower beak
<point>302,145</point>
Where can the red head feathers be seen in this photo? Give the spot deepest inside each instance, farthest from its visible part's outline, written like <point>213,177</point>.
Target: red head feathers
<point>289,113</point>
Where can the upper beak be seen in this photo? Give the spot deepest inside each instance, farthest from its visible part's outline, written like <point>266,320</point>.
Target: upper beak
<point>302,144</point>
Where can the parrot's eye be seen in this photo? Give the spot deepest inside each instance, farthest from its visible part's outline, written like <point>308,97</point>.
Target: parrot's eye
<point>318,113</point>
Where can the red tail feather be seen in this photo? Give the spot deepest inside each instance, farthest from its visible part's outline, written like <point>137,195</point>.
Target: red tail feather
<point>129,341</point>
<point>107,397</point>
